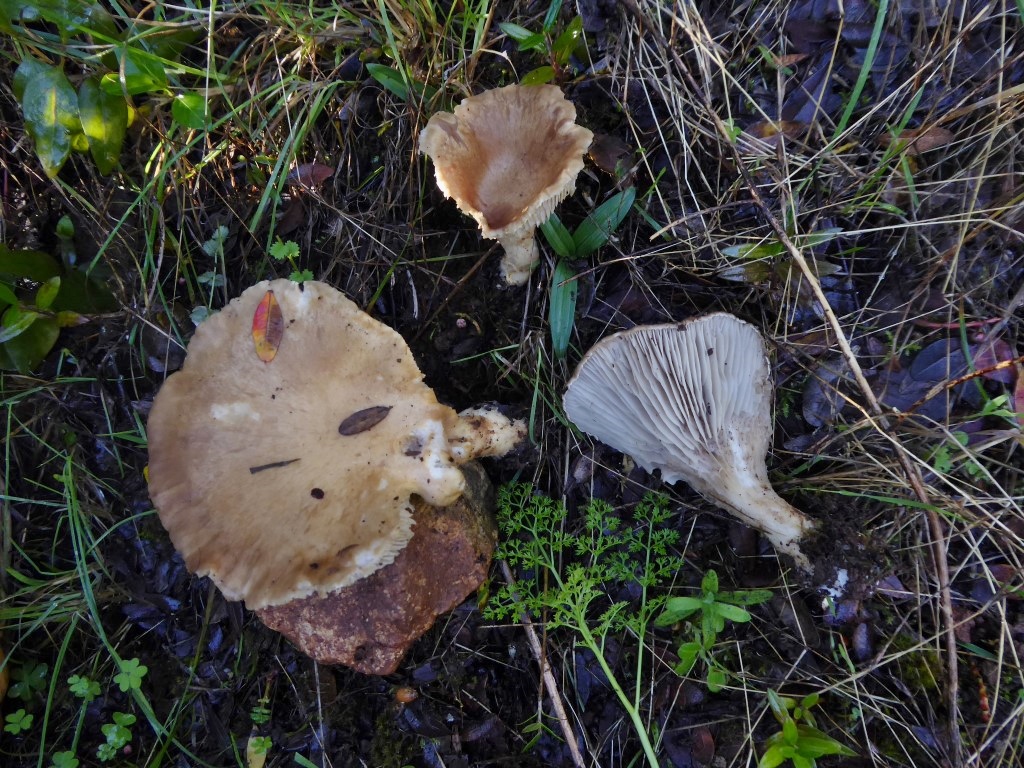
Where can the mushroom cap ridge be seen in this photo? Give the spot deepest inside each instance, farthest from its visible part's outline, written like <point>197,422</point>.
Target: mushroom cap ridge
<point>249,472</point>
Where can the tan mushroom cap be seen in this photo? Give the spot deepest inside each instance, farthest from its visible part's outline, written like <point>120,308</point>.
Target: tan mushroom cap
<point>507,157</point>
<point>255,483</point>
<point>694,400</point>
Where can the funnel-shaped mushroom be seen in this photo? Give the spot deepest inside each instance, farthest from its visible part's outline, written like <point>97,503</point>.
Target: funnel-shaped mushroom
<point>694,400</point>
<point>507,157</point>
<point>282,457</point>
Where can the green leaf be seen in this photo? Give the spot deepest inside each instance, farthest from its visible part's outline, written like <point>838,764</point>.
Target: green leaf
<point>104,122</point>
<point>677,609</point>
<point>716,679</point>
<point>745,597</point>
<point>138,72</point>
<point>773,756</point>
<point>47,293</point>
<point>50,106</point>
<point>538,76</point>
<point>29,348</point>
<point>7,296</point>
<point>190,110</point>
<point>15,321</point>
<point>562,306</point>
<point>732,612</point>
<point>599,225</point>
<point>710,582</point>
<point>754,251</point>
<point>558,237</point>
<point>688,655</point>
<point>391,79</point>
<point>790,733</point>
<point>566,43</point>
<point>528,41</point>
<point>29,68</point>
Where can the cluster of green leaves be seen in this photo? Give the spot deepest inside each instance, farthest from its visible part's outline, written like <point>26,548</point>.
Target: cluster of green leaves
<point>288,250</point>
<point>559,47</point>
<point>712,609</point>
<point>39,295</point>
<point>565,578</point>
<point>800,741</point>
<point>117,733</point>
<point>30,683</point>
<point>121,58</point>
<point>591,234</point>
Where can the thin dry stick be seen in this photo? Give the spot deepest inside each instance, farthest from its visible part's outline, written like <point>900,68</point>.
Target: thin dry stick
<point>550,684</point>
<point>879,420</point>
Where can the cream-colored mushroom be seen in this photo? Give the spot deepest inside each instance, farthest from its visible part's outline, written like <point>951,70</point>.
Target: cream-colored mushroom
<point>507,157</point>
<point>694,400</point>
<point>293,476</point>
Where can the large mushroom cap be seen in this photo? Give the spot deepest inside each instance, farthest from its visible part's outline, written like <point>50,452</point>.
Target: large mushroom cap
<point>694,400</point>
<point>284,478</point>
<point>507,157</point>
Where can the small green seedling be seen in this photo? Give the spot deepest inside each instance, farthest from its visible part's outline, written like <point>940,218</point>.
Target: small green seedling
<point>84,688</point>
<point>590,235</point>
<point>289,250</point>
<point>800,741</point>
<point>715,608</point>
<point>64,759</point>
<point>18,722</point>
<point>29,679</point>
<point>131,674</point>
<point>117,734</point>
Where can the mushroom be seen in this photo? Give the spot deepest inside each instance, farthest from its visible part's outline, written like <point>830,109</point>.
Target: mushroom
<point>283,456</point>
<point>694,400</point>
<point>507,157</point>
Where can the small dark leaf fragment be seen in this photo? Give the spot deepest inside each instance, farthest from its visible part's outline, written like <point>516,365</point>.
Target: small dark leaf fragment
<point>360,421</point>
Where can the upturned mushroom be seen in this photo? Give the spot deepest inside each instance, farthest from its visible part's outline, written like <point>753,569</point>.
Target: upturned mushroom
<point>284,455</point>
<point>507,157</point>
<point>694,400</point>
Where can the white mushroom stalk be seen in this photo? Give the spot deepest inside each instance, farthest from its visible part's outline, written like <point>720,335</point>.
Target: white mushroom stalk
<point>694,400</point>
<point>507,157</point>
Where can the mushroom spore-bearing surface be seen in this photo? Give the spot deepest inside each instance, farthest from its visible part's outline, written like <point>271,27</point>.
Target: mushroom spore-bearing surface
<point>692,399</point>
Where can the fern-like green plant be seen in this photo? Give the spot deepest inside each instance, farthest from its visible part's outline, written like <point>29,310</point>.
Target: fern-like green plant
<point>565,578</point>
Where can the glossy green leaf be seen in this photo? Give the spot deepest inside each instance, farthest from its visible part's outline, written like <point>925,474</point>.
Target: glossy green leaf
<point>774,756</point>
<point>732,612</point>
<point>688,654</point>
<point>47,292</point>
<point>190,110</point>
<point>566,43</point>
<point>538,76</point>
<point>31,265</point>
<point>104,122</point>
<point>599,225</point>
<point>138,72</point>
<point>15,321</point>
<point>558,237</point>
<point>562,306</point>
<point>390,79</point>
<point>528,41</point>
<point>7,296</point>
<point>51,114</point>
<point>29,68</point>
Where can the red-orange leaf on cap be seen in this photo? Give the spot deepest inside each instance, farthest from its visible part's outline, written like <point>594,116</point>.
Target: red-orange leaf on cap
<point>267,327</point>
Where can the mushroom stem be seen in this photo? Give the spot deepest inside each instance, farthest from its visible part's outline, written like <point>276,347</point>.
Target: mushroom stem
<point>484,431</point>
<point>757,505</point>
<point>521,255</point>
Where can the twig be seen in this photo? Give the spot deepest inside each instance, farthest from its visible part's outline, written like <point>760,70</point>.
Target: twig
<point>550,684</point>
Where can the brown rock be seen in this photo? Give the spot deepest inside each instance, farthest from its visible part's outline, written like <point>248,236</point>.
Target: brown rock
<point>370,624</point>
